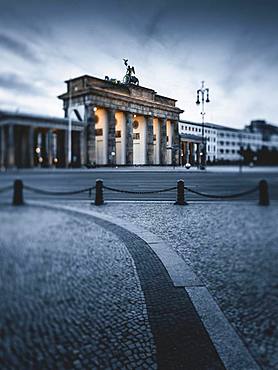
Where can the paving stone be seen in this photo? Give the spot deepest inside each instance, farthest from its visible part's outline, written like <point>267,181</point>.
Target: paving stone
<point>232,248</point>
<point>68,290</point>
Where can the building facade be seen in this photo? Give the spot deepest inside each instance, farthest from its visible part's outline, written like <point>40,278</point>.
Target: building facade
<point>225,144</point>
<point>124,124</point>
<point>108,123</point>
<point>31,140</point>
<point>112,123</point>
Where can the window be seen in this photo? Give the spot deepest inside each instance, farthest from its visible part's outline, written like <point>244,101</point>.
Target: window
<point>154,137</point>
<point>221,142</point>
<point>227,142</point>
<point>233,151</point>
<point>227,151</point>
<point>208,148</point>
<point>118,134</point>
<point>221,151</point>
<point>189,128</point>
<point>98,132</point>
<point>136,136</point>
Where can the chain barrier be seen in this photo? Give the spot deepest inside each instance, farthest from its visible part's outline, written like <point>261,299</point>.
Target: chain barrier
<point>228,196</point>
<point>18,187</point>
<point>139,192</point>
<point>47,192</point>
<point>6,188</point>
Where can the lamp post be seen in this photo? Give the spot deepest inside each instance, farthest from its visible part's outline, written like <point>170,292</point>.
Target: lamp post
<point>70,126</point>
<point>203,91</point>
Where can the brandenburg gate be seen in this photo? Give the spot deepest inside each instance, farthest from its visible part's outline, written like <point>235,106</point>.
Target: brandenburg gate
<point>124,123</point>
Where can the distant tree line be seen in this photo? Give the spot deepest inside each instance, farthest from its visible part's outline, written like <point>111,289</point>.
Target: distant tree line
<point>263,156</point>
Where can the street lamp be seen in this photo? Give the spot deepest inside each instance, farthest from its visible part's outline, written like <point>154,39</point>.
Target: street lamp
<point>70,125</point>
<point>203,91</point>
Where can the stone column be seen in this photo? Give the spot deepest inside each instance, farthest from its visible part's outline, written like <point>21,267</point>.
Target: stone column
<point>104,118</point>
<point>129,139</point>
<point>82,140</point>
<point>11,147</point>
<point>193,153</point>
<point>182,153</point>
<point>157,130</point>
<point>170,133</point>
<point>143,139</point>
<point>123,139</point>
<point>198,155</point>
<point>163,142</point>
<point>91,135</point>
<point>150,145</point>
<point>49,147</point>
<point>111,137</point>
<point>176,141</point>
<point>186,153</point>
<point>66,146</point>
<point>24,156</point>
<point>2,146</point>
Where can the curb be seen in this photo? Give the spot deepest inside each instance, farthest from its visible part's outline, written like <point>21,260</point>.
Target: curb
<point>229,346</point>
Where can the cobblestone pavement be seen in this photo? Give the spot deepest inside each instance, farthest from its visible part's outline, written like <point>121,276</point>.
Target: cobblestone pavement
<point>233,248</point>
<point>78,292</point>
<point>70,297</point>
<point>181,341</point>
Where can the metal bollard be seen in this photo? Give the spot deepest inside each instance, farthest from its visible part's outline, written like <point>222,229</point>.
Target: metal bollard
<point>180,193</point>
<point>99,193</point>
<point>263,193</point>
<point>18,193</point>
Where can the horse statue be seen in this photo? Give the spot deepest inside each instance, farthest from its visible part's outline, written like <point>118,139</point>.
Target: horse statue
<point>129,78</point>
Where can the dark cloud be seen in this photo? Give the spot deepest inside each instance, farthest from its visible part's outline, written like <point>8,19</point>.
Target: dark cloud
<point>226,42</point>
<point>14,83</point>
<point>17,47</point>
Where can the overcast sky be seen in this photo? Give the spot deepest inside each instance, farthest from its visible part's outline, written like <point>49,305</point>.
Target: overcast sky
<point>173,45</point>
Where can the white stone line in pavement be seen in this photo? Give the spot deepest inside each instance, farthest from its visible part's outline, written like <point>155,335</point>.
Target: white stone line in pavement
<point>229,346</point>
<point>181,273</point>
<point>226,341</point>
